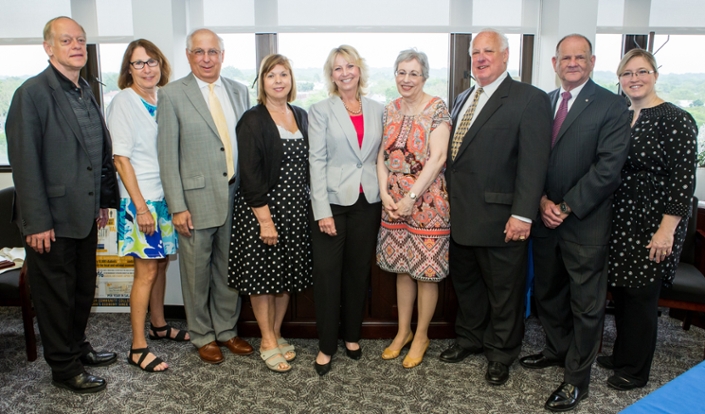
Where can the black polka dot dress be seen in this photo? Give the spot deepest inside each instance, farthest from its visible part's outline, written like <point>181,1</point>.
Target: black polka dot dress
<point>658,178</point>
<point>256,268</point>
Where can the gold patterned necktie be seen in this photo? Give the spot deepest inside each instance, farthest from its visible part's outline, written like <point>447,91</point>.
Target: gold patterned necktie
<point>464,125</point>
<point>222,126</point>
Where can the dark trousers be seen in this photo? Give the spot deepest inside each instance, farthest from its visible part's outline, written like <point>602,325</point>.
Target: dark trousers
<point>636,317</point>
<point>341,271</point>
<point>570,288</point>
<point>63,285</point>
<point>489,283</point>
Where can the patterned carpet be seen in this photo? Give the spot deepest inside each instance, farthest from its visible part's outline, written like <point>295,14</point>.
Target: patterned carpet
<point>371,385</point>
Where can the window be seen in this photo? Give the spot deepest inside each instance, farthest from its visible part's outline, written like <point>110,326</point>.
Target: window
<point>110,61</point>
<point>308,52</point>
<point>608,53</point>
<point>20,63</point>
<point>240,60</point>
<point>682,75</point>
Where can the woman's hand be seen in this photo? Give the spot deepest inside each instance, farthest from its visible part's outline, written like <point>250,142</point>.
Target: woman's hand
<point>268,233</point>
<point>404,206</point>
<point>145,221</point>
<point>661,245</point>
<point>327,226</point>
<point>389,205</point>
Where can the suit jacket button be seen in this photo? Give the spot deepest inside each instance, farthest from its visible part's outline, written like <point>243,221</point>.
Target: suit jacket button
<point>89,168</point>
<point>91,193</point>
<point>359,165</point>
<point>225,174</point>
<point>222,149</point>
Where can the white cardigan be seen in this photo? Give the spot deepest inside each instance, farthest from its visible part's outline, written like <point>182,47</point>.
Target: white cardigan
<point>134,135</point>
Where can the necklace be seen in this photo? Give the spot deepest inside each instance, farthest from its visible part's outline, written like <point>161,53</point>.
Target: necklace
<point>359,111</point>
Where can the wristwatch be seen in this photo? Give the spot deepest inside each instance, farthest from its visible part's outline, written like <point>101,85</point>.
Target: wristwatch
<point>564,207</point>
<point>412,196</point>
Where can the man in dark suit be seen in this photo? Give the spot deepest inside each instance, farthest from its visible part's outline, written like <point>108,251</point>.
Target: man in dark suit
<point>62,167</point>
<point>590,144</point>
<point>497,164</point>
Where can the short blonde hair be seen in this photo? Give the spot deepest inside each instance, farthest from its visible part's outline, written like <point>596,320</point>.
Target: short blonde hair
<point>648,57</point>
<point>350,54</point>
<point>268,63</point>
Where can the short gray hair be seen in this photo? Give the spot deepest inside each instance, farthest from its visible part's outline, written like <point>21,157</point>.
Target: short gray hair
<point>189,38</point>
<point>503,41</point>
<point>413,54</point>
<point>48,32</point>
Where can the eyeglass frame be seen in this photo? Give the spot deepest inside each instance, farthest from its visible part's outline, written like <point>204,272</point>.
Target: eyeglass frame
<point>200,53</point>
<point>412,74</point>
<point>641,73</point>
<point>136,64</point>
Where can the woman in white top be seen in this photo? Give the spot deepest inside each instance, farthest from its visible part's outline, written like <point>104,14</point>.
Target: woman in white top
<point>145,230</point>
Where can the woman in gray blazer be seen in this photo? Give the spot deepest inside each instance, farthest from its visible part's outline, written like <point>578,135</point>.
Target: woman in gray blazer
<point>345,132</point>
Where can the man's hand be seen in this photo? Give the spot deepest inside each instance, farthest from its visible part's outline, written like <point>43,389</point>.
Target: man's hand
<point>41,242</point>
<point>182,223</point>
<point>551,214</point>
<point>516,230</point>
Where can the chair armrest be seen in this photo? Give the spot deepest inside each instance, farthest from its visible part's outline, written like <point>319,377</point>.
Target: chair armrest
<point>700,250</point>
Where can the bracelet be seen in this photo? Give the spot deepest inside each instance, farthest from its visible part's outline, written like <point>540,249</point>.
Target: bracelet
<point>143,212</point>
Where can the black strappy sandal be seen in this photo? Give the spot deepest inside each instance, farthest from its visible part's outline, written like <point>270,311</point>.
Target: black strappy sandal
<point>180,337</point>
<point>144,352</point>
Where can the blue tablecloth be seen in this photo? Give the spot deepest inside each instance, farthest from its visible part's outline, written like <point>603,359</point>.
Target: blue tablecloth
<point>684,394</point>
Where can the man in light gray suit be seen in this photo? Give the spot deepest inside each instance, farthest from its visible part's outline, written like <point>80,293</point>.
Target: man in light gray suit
<point>198,167</point>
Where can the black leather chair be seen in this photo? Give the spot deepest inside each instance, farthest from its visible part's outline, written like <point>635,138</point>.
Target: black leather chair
<point>688,290</point>
<point>14,286</point>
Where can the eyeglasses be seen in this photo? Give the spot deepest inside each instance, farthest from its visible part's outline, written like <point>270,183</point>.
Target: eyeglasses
<point>641,73</point>
<point>138,64</point>
<point>211,52</point>
<point>402,73</point>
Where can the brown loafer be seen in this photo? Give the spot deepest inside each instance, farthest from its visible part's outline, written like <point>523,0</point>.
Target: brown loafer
<point>210,353</point>
<point>237,346</point>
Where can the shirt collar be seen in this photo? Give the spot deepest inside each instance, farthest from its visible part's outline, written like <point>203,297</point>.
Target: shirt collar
<point>66,83</point>
<point>489,89</point>
<point>575,91</point>
<point>202,84</point>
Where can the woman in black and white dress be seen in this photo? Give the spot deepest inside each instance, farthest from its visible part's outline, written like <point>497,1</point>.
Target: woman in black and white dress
<point>651,211</point>
<point>271,242</point>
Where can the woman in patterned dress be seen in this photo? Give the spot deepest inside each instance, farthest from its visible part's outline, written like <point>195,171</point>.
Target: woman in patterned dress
<point>651,211</point>
<point>145,230</point>
<point>270,252</point>
<point>415,231</point>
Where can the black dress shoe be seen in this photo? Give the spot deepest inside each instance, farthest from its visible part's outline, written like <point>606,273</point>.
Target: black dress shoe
<point>99,359</point>
<point>497,373</point>
<point>622,384</point>
<point>539,361</point>
<point>457,353</point>
<point>606,362</point>
<point>322,369</point>
<point>565,398</point>
<point>354,354</point>
<point>81,383</point>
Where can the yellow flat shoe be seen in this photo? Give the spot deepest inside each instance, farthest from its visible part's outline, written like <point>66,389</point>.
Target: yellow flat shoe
<point>412,362</point>
<point>392,353</point>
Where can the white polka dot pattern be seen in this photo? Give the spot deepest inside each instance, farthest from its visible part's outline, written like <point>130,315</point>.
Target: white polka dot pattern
<point>658,178</point>
<point>256,268</point>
